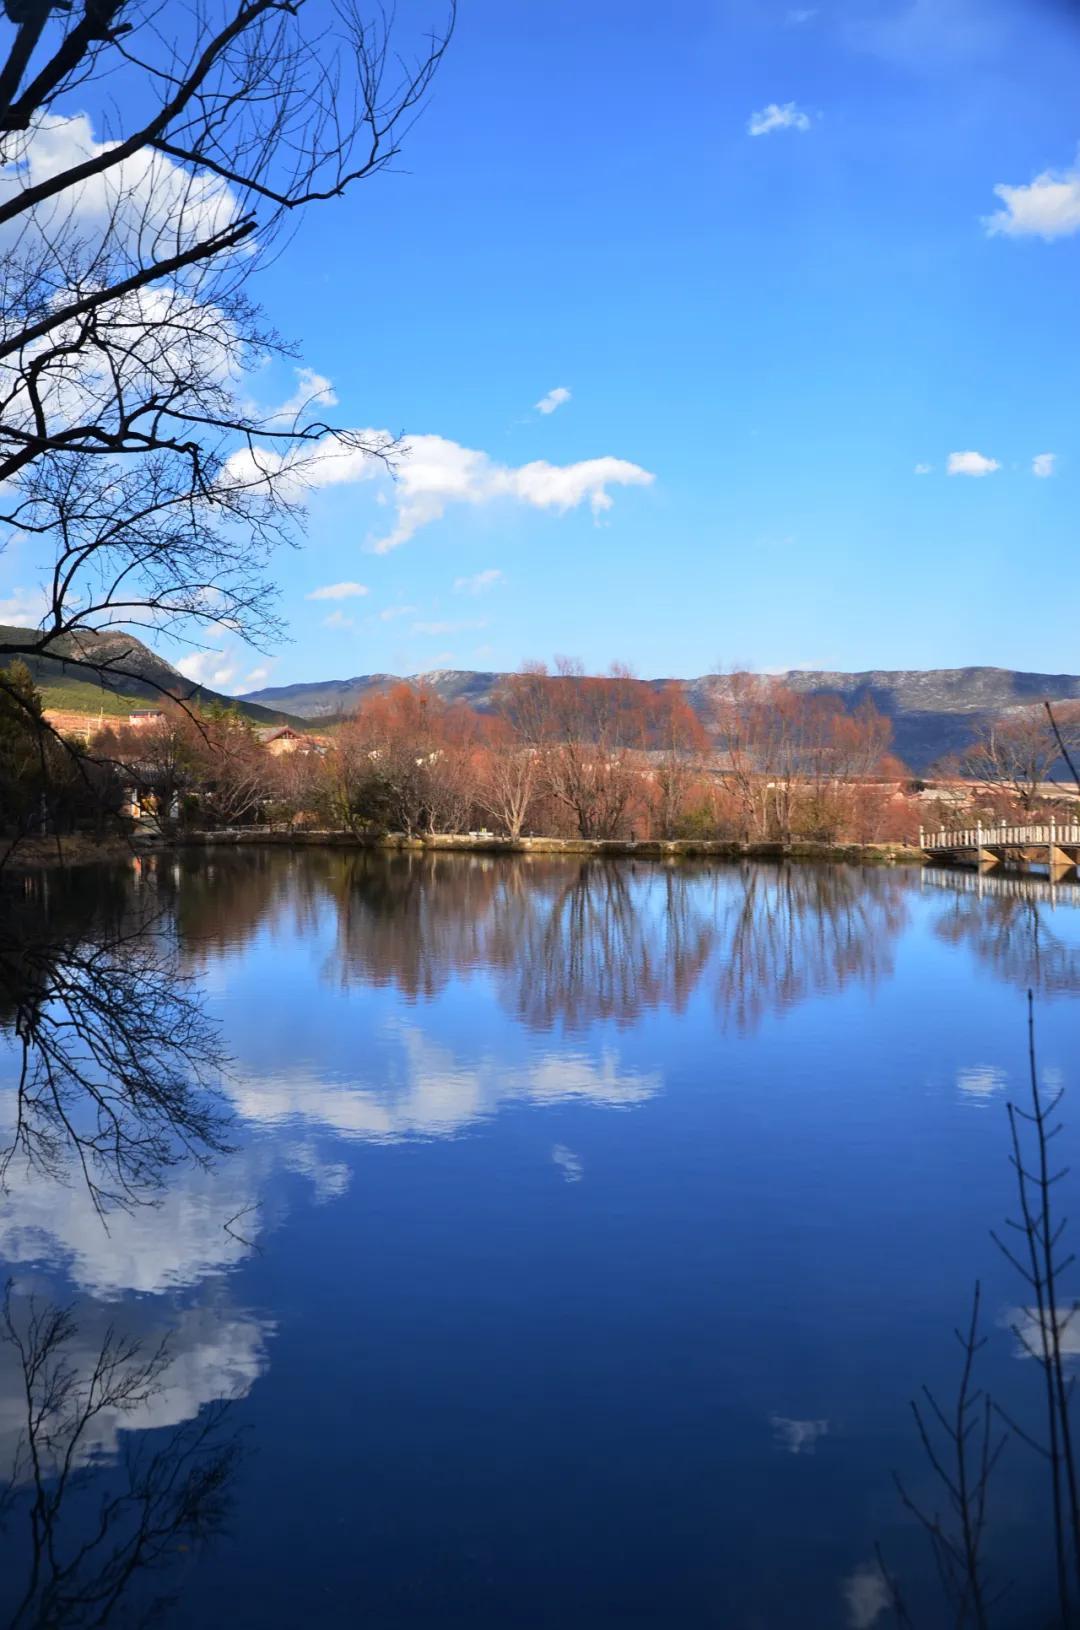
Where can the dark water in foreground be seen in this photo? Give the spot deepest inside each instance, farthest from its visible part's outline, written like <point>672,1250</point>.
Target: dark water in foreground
<point>585,1233</point>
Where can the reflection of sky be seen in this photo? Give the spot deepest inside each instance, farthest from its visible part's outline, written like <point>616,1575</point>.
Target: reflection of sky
<point>647,1263</point>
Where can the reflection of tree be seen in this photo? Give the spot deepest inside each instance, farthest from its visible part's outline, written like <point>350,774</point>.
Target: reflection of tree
<point>600,941</point>
<point>115,1054</point>
<point>1013,935</point>
<point>793,931</point>
<point>411,920</point>
<point>576,941</point>
<point>92,1534</point>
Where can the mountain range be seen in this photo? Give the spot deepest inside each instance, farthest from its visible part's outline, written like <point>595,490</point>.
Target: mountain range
<point>934,711</point>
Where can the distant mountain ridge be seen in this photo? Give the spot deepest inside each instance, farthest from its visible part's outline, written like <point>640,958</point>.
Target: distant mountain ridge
<point>934,711</point>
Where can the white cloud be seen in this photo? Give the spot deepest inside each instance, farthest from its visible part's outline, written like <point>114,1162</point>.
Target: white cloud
<point>479,582</point>
<point>434,473</point>
<point>923,469</point>
<point>778,116</point>
<point>337,591</point>
<point>24,608</point>
<point>553,400</point>
<point>1047,208</point>
<point>391,613</point>
<point>800,14</point>
<point>146,198</point>
<point>1044,464</point>
<point>312,390</point>
<point>972,463</point>
<point>211,668</point>
<point>256,677</point>
<point>338,619</point>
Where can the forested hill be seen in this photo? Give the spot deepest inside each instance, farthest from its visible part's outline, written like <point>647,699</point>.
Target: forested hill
<point>934,710</point>
<point>112,672</point>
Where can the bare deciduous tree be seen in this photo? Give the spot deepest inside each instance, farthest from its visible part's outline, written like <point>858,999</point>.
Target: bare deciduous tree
<point>1016,753</point>
<point>128,241</point>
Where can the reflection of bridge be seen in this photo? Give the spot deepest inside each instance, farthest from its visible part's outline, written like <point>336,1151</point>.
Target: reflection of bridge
<point>995,886</point>
<point>1016,847</point>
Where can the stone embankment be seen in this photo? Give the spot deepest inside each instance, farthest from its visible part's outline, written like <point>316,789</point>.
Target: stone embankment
<point>875,854</point>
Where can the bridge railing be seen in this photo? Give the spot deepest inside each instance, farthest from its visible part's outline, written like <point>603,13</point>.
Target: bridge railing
<point>1003,836</point>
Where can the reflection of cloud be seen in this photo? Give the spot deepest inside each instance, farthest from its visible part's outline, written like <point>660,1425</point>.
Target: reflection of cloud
<point>979,1082</point>
<point>866,1595</point>
<point>329,1178</point>
<point>175,1242</point>
<point>426,1092</point>
<point>797,1437</point>
<point>568,1162</point>
<point>1025,1322</point>
<point>213,1356</point>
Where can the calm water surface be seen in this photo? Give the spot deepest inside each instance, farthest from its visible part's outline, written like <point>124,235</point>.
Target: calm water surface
<point>585,1232</point>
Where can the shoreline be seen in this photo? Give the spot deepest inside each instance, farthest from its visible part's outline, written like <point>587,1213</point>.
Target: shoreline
<point>870,854</point>
<point>79,850</point>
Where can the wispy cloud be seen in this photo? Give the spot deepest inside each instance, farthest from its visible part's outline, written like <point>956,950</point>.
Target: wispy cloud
<point>1044,465</point>
<point>256,677</point>
<point>972,463</point>
<point>312,390</point>
<point>338,619</point>
<point>479,583</point>
<point>928,35</point>
<point>797,1437</point>
<point>1047,208</point>
<point>799,15</point>
<point>554,399</point>
<point>337,591</point>
<point>778,116</point>
<point>441,628</point>
<point>923,469</point>
<point>390,614</point>
<point>434,473</point>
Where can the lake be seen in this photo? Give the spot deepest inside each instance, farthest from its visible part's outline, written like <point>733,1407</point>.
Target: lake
<point>579,1235</point>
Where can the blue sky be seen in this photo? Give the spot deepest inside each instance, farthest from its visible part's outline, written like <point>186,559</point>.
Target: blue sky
<point>761,336</point>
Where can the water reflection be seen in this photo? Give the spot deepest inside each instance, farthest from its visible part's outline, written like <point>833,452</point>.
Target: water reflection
<point>373,1001</point>
<point>792,932</point>
<point>568,942</point>
<point>115,1059</point>
<point>422,1089</point>
<point>797,1437</point>
<point>1015,936</point>
<point>98,1526</point>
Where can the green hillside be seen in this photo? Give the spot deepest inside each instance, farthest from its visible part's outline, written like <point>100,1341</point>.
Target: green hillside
<point>140,677</point>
